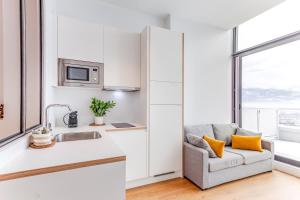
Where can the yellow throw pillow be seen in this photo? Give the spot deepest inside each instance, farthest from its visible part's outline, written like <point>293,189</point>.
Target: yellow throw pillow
<point>216,145</point>
<point>246,142</point>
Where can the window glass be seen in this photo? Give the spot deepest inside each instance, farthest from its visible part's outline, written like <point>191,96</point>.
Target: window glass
<point>10,67</point>
<point>271,89</point>
<point>276,22</point>
<point>33,64</point>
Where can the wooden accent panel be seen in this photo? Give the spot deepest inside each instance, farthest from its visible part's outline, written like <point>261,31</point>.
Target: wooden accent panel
<point>1,111</point>
<point>59,168</point>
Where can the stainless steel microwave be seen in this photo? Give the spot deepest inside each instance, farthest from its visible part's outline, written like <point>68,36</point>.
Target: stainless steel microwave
<point>76,73</point>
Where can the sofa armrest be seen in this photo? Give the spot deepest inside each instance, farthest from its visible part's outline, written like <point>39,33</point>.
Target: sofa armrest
<point>268,145</point>
<point>195,165</point>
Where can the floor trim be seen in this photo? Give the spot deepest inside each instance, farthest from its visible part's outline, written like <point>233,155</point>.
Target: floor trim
<point>286,168</point>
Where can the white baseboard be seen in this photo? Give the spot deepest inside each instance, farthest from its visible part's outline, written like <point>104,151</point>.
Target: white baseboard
<point>286,168</point>
<point>150,180</point>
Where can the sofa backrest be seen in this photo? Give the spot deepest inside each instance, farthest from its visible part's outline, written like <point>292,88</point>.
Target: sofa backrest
<point>199,130</point>
<point>224,132</point>
<point>218,131</point>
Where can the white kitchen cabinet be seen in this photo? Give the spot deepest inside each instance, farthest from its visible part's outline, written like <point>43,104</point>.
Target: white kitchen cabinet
<point>162,59</point>
<point>165,93</point>
<point>122,66</point>
<point>165,139</point>
<point>134,144</point>
<point>105,181</point>
<point>165,55</point>
<point>79,40</point>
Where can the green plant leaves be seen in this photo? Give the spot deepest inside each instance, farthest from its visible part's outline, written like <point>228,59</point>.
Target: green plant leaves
<point>100,108</point>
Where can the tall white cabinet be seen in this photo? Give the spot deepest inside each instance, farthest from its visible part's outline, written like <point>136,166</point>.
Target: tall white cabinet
<point>162,60</point>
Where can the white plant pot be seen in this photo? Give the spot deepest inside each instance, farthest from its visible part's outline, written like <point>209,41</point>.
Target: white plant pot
<point>99,120</point>
<point>42,139</point>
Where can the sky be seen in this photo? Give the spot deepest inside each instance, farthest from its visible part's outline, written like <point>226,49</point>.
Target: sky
<point>278,21</point>
<point>277,68</point>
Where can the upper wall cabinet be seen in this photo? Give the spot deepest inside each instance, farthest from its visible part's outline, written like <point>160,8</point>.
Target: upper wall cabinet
<point>80,40</point>
<point>121,59</point>
<point>166,55</point>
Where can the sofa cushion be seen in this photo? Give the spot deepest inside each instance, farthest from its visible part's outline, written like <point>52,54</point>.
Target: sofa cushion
<point>201,143</point>
<point>224,132</point>
<point>227,161</point>
<point>200,130</point>
<point>250,156</point>
<point>245,132</point>
<point>216,145</point>
<point>246,142</point>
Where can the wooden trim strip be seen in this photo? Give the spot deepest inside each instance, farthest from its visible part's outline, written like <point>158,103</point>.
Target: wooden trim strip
<point>125,129</point>
<point>46,170</point>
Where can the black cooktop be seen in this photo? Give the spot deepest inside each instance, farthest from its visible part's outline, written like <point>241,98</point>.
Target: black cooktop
<point>122,125</point>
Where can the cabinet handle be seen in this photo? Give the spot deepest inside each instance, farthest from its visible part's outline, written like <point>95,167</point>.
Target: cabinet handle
<point>1,111</point>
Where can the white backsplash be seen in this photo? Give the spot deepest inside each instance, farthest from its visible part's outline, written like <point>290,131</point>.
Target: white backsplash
<point>127,109</point>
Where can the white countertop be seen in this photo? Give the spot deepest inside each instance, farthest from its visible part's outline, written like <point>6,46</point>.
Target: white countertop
<point>67,152</point>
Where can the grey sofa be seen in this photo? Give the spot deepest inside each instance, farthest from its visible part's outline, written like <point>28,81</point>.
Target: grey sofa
<point>235,164</point>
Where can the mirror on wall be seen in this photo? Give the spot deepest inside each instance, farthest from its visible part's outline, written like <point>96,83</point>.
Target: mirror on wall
<point>20,67</point>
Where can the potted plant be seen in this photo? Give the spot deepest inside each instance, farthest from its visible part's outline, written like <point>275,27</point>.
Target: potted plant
<point>100,108</point>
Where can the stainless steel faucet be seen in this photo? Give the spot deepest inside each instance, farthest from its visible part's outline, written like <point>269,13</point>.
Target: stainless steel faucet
<point>47,123</point>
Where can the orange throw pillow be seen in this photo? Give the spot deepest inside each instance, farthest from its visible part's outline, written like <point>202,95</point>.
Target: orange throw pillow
<point>216,145</point>
<point>246,142</point>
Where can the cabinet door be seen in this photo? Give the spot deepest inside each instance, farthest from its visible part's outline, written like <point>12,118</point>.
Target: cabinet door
<point>165,139</point>
<point>121,59</point>
<point>80,40</point>
<point>165,93</point>
<point>165,55</point>
<point>134,145</point>
<point>10,68</point>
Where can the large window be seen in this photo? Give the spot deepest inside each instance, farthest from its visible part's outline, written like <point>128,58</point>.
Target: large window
<point>267,78</point>
<point>270,84</point>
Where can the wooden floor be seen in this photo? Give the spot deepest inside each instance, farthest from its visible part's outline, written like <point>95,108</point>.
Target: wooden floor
<point>268,186</point>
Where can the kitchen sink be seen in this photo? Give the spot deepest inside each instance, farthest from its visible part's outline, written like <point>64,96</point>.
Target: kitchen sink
<point>64,137</point>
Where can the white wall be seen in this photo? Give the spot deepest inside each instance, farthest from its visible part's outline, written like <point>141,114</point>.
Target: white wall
<point>126,110</point>
<point>207,76</point>
<point>207,72</point>
<point>107,14</point>
<point>128,104</point>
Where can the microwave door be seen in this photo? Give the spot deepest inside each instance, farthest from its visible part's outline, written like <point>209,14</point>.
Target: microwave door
<point>76,74</point>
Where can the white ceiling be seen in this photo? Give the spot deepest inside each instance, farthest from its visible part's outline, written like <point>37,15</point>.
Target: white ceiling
<point>221,13</point>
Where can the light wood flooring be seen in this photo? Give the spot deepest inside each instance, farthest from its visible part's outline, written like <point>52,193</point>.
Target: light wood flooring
<point>268,186</point>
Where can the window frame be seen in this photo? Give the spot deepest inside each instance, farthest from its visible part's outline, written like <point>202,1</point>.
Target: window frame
<point>237,57</point>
